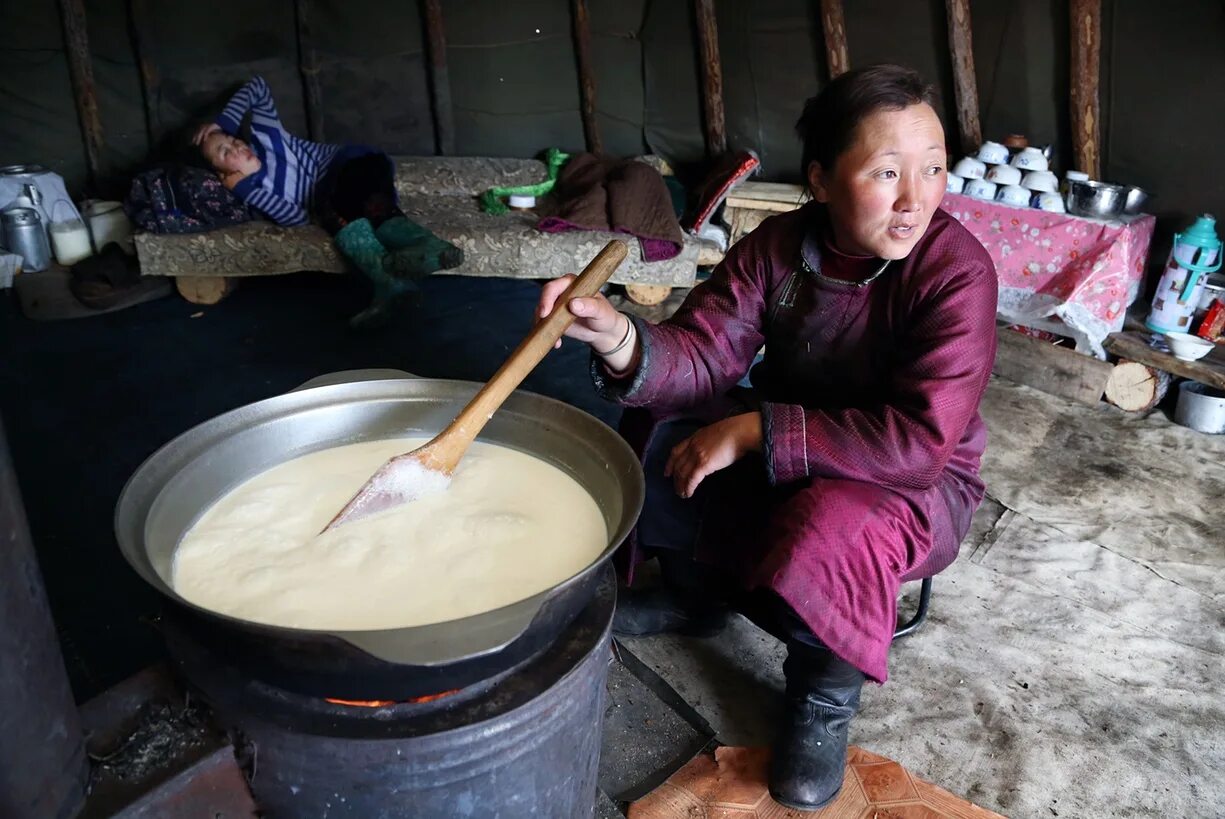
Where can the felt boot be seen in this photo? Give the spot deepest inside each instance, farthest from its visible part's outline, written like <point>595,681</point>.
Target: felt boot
<point>413,251</point>
<point>810,753</point>
<point>691,601</point>
<point>358,243</point>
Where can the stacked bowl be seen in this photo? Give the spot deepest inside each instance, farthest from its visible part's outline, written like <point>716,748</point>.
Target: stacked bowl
<point>1022,179</point>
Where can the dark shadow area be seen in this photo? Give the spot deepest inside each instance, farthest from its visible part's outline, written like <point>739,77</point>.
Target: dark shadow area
<point>85,401</point>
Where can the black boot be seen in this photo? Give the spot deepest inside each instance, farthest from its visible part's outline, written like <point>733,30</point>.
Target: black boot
<point>810,753</point>
<point>691,600</point>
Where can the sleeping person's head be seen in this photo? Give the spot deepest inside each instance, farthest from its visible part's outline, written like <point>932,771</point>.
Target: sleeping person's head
<point>232,158</point>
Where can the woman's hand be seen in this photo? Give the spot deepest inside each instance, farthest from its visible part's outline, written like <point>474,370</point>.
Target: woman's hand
<point>203,131</point>
<point>712,448</point>
<point>596,321</point>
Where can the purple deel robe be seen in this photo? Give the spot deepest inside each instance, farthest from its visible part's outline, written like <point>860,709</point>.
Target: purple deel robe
<point>872,436</point>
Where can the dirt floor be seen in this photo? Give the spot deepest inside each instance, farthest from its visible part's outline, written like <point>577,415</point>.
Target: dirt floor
<point>1070,664</point>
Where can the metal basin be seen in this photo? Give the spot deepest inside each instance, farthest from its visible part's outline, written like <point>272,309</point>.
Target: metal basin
<point>1136,200</point>
<point>1096,200</point>
<point>169,492</point>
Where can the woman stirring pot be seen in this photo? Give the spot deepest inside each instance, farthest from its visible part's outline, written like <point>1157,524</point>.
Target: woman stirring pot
<point>853,462</point>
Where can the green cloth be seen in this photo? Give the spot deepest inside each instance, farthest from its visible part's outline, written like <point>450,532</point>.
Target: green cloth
<point>491,200</point>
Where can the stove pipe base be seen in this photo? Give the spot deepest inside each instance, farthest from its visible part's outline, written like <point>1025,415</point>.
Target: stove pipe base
<point>43,767</point>
<point>526,746</point>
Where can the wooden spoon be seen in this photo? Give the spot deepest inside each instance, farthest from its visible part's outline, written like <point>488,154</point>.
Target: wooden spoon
<point>428,468</point>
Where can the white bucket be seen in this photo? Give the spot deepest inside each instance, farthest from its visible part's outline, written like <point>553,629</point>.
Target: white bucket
<point>108,223</point>
<point>1200,407</point>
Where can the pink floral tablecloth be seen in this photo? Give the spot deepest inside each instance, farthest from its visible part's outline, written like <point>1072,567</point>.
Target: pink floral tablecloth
<point>1058,271</point>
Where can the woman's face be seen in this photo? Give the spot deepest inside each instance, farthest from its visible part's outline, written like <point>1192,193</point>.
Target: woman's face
<point>885,187</point>
<point>230,155</point>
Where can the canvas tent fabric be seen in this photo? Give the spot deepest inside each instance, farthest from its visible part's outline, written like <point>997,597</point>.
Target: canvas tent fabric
<point>514,85</point>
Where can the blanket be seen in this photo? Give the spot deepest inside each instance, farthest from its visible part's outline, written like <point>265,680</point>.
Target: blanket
<point>616,195</point>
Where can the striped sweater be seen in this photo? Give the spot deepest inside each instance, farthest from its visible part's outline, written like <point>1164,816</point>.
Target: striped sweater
<point>283,186</point>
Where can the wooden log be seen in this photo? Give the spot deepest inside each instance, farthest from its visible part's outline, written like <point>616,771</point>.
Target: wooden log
<point>586,74</point>
<point>965,82</point>
<point>1134,346</point>
<point>204,290</point>
<point>308,67</point>
<point>1135,387</point>
<point>1086,75</point>
<point>139,14</point>
<point>440,81</point>
<point>745,220</point>
<point>712,77</point>
<point>833,23</point>
<point>648,295</point>
<point>1055,370</point>
<point>81,73</point>
<point>709,253</point>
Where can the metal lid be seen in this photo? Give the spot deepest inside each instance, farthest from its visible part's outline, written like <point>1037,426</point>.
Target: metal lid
<point>20,216</point>
<point>22,170</point>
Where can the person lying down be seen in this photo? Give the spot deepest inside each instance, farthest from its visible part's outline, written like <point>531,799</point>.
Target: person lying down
<point>349,189</point>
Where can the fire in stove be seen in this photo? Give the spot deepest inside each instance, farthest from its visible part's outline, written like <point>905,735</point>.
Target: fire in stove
<point>386,703</point>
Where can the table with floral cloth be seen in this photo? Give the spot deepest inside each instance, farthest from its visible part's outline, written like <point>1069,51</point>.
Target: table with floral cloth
<point>1060,272</point>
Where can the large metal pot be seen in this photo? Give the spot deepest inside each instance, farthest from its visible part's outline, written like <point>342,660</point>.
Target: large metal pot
<point>169,492</point>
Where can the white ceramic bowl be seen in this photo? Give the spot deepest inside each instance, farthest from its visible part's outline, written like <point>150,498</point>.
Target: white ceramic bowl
<point>1187,347</point>
<point>1013,195</point>
<point>1051,202</point>
<point>1004,175</point>
<point>1030,159</point>
<point>980,189</point>
<point>1041,181</point>
<point>993,153</point>
<point>970,168</point>
<point>954,184</point>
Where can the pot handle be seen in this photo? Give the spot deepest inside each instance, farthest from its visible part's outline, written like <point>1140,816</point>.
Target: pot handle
<point>449,642</point>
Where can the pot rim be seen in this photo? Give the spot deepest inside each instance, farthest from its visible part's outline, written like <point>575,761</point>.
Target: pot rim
<point>487,631</point>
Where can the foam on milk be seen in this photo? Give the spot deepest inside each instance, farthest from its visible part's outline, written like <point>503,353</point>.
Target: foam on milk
<point>508,526</point>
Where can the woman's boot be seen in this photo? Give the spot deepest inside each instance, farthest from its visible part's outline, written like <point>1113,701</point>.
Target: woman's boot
<point>691,600</point>
<point>358,243</point>
<point>413,251</point>
<point>810,753</point>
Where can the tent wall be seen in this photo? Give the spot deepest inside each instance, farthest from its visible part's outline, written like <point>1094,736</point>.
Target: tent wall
<point>515,90</point>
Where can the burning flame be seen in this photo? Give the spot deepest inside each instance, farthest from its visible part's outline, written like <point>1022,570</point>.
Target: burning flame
<point>385,703</point>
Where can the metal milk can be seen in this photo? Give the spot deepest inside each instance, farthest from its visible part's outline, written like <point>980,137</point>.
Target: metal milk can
<point>25,235</point>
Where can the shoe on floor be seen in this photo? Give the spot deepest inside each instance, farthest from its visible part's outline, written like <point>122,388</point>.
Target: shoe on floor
<point>655,611</point>
<point>809,759</point>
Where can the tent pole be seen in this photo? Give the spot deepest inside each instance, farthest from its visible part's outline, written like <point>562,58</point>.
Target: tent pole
<point>712,77</point>
<point>440,83</point>
<point>833,23</point>
<point>965,83</point>
<point>586,75</point>
<point>308,67</point>
<point>150,82</point>
<point>1086,74</point>
<point>81,72</point>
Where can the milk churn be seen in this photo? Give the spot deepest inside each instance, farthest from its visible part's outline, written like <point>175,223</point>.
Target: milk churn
<point>25,235</point>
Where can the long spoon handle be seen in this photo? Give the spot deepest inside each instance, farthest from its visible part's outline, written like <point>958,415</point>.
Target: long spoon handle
<point>471,420</point>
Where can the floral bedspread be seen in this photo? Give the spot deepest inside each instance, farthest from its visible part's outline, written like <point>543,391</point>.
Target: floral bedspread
<point>1073,275</point>
<point>440,193</point>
